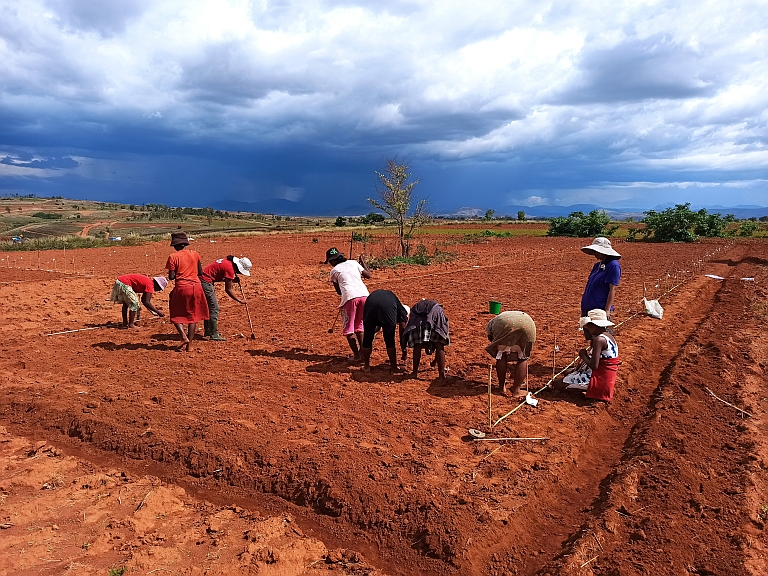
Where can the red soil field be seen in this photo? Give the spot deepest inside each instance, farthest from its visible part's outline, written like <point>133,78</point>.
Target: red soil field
<point>664,480</point>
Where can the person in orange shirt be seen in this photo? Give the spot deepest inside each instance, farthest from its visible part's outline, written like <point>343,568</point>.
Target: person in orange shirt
<point>187,304</point>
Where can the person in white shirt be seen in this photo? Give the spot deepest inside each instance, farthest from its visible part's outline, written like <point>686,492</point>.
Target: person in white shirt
<point>347,278</point>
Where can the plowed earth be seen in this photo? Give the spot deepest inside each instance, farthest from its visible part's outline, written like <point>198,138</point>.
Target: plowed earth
<point>664,480</point>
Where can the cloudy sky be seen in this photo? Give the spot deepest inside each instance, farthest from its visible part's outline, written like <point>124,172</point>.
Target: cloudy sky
<point>493,103</point>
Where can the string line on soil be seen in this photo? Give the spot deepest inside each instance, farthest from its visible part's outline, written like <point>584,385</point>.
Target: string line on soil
<point>716,397</point>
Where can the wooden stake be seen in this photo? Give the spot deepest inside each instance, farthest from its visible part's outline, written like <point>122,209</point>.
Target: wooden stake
<point>554,357</point>
<point>490,401</point>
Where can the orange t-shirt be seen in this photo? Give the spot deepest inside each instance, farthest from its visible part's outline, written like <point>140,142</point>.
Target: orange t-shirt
<point>184,262</point>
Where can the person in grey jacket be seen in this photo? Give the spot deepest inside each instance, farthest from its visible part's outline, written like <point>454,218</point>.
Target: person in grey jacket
<point>427,330</point>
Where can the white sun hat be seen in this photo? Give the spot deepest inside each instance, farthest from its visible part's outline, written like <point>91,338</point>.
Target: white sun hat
<point>601,245</point>
<point>243,264</point>
<point>597,317</point>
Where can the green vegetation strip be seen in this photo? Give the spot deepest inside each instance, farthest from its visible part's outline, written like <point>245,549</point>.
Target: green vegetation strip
<point>68,242</point>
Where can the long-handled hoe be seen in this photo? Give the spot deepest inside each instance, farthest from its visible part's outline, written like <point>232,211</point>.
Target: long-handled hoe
<point>253,336</point>
<point>330,330</point>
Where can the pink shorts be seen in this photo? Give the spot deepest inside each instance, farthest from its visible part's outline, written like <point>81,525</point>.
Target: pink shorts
<point>352,315</point>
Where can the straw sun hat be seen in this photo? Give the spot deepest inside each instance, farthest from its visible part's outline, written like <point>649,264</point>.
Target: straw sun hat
<point>243,264</point>
<point>601,245</point>
<point>597,317</point>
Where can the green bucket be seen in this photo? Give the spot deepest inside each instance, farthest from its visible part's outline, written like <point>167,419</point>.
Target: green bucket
<point>494,307</point>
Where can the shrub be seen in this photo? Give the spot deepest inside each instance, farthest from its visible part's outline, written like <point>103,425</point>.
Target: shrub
<point>47,215</point>
<point>747,228</point>
<point>340,221</point>
<point>680,224</point>
<point>711,225</point>
<point>372,218</point>
<point>421,258</point>
<point>582,225</point>
<point>362,238</point>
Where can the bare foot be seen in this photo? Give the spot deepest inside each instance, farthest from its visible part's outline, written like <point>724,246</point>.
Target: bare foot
<point>414,375</point>
<point>366,369</point>
<point>396,370</point>
<point>181,346</point>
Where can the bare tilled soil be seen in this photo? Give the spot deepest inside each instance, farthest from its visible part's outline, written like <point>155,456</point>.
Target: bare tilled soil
<point>667,479</point>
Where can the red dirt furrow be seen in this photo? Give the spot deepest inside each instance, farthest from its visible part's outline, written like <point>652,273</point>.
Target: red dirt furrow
<point>374,463</point>
<point>688,495</point>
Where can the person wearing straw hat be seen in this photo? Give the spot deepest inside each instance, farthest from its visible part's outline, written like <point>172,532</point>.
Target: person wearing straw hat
<point>602,359</point>
<point>383,310</point>
<point>600,291</point>
<point>126,291</point>
<point>223,270</point>
<point>512,335</point>
<point>347,279</point>
<point>187,304</point>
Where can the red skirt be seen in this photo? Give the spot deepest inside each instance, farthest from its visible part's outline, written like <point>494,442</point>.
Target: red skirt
<point>187,303</point>
<point>603,380</point>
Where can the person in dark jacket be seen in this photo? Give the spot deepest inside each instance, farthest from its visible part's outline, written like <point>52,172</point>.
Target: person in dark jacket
<point>383,310</point>
<point>427,330</point>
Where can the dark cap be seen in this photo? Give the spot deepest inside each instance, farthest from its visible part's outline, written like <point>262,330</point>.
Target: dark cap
<point>332,254</point>
<point>179,238</point>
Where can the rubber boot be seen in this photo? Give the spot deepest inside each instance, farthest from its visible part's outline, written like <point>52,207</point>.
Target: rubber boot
<point>208,331</point>
<point>215,331</point>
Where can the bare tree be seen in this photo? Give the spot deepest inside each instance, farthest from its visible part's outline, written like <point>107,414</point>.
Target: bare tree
<point>396,196</point>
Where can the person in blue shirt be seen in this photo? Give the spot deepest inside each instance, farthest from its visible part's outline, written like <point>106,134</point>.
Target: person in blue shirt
<point>600,292</point>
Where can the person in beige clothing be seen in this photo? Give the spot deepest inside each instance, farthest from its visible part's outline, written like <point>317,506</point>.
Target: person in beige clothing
<point>512,335</point>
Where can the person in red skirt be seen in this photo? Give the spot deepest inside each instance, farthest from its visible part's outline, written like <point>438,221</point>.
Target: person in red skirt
<point>602,359</point>
<point>187,304</point>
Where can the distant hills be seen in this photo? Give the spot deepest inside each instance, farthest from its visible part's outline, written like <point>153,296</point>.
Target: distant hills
<point>290,208</point>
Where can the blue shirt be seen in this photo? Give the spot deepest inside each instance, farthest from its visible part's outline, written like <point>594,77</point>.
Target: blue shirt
<point>598,284</point>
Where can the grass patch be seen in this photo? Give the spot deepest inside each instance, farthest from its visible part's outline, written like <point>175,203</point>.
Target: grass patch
<point>68,242</point>
<point>524,229</point>
<point>477,237</point>
<point>421,258</point>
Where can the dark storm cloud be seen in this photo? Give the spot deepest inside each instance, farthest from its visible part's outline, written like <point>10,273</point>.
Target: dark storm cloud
<point>638,69</point>
<point>107,17</point>
<point>185,101</point>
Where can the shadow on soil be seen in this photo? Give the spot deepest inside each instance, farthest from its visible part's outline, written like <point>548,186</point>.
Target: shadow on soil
<point>323,363</point>
<point>748,260</point>
<point>132,346</point>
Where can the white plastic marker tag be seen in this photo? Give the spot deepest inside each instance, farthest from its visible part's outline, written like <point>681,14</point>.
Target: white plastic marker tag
<point>714,277</point>
<point>748,279</point>
<point>529,399</point>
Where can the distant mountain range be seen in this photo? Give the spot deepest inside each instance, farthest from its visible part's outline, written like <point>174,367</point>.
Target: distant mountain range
<point>290,208</point>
